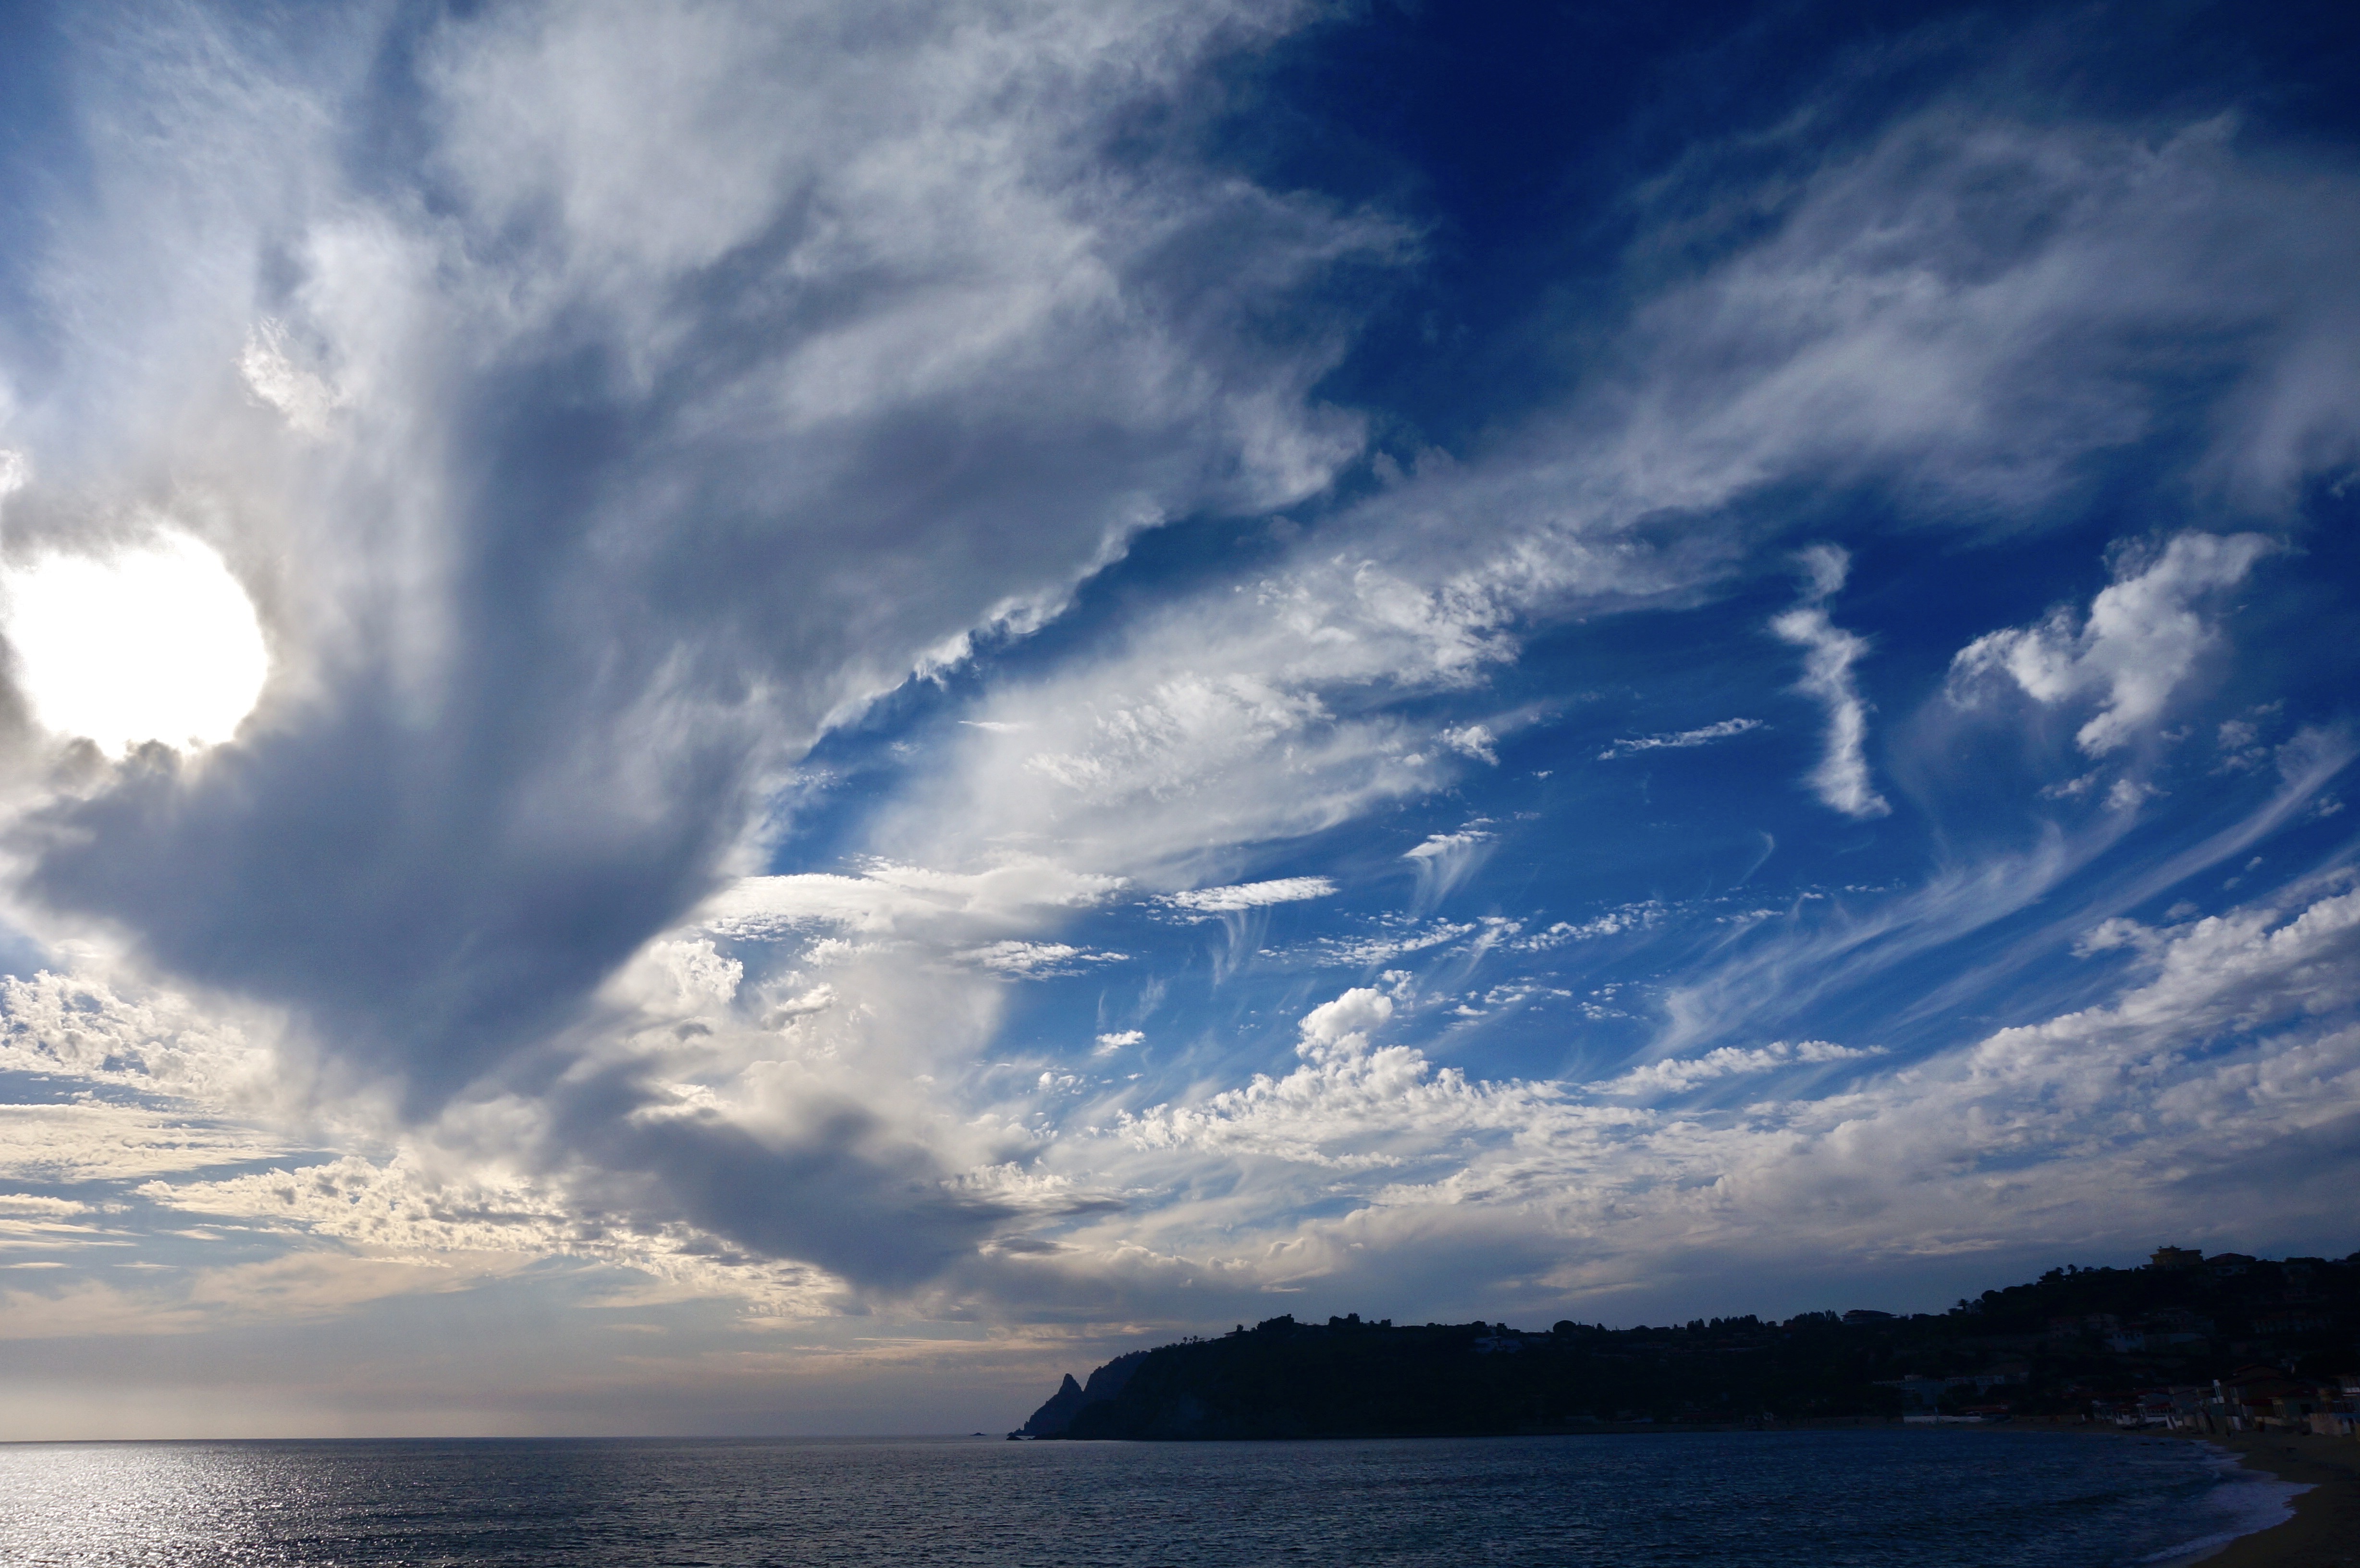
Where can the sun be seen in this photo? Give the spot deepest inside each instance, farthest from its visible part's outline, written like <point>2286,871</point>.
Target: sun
<point>155,642</point>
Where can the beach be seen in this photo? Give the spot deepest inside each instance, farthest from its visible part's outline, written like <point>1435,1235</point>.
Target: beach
<point>2325,1530</point>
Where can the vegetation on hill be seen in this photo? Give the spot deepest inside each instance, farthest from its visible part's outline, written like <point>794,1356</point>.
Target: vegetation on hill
<point>2074,1340</point>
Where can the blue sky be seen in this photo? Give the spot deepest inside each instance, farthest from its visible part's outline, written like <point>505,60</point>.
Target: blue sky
<point>749,718</point>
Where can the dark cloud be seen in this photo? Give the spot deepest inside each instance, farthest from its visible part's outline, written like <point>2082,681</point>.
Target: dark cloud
<point>839,1187</point>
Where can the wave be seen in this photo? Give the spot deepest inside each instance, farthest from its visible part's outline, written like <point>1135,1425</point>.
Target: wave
<point>2240,1503</point>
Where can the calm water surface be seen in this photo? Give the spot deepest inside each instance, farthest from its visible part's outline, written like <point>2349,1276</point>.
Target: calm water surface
<point>1825,1499</point>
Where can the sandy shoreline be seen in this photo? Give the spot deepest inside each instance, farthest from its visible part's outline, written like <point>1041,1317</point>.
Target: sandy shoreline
<point>2325,1530</point>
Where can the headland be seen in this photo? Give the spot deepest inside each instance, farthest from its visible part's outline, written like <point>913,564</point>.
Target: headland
<point>2224,1345</point>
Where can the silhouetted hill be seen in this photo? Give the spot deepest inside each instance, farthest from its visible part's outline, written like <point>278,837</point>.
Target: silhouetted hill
<point>1057,1414</point>
<point>2067,1342</point>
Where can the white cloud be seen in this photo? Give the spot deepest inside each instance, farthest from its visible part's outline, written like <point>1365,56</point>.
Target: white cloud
<point>1039,959</point>
<point>825,279</point>
<point>1614,922</point>
<point>1679,1074</point>
<point>1199,735</point>
<point>1250,894</point>
<point>1352,1106</point>
<point>1967,308</point>
<point>85,1027</point>
<point>865,358</point>
<point>891,900</point>
<point>1704,735</point>
<point>2141,639</point>
<point>2127,794</point>
<point>1874,334</point>
<point>1842,777</point>
<point>1396,938</point>
<point>44,1207</point>
<point>2233,1042</point>
<point>1472,740</point>
<point>307,401</point>
<point>486,1221</point>
<point>1444,860</point>
<point>677,978</point>
<point>2209,1054</point>
<point>1344,1024</point>
<point>90,1141</point>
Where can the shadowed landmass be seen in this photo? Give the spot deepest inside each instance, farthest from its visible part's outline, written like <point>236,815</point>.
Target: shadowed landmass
<point>2225,1344</point>
<point>1054,1418</point>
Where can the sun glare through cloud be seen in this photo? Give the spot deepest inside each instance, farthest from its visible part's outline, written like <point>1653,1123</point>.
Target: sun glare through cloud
<point>154,642</point>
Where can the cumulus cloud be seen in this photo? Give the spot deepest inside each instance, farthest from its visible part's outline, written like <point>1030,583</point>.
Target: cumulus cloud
<point>1353,1104</point>
<point>1842,777</point>
<point>85,1029</point>
<point>2140,640</point>
<point>2235,1038</point>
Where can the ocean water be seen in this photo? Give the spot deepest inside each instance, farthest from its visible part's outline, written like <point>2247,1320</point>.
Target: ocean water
<point>1828,1500</point>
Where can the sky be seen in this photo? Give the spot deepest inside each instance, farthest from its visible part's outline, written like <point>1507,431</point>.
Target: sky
<point>776,718</point>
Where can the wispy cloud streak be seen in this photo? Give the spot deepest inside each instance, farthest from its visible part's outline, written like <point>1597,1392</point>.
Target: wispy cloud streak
<point>1842,777</point>
<point>1680,739</point>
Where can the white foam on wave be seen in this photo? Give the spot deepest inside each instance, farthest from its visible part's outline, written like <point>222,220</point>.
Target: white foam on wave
<point>2240,1504</point>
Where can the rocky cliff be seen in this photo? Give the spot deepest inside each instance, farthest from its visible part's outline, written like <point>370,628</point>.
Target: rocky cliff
<point>1055,1416</point>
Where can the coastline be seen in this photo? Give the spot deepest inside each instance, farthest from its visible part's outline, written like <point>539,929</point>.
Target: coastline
<point>2325,1530</point>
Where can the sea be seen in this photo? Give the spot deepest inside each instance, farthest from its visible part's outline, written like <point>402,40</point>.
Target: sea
<point>1826,1498</point>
